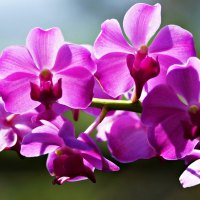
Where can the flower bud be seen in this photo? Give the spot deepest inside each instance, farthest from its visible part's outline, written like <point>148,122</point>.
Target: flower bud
<point>142,68</point>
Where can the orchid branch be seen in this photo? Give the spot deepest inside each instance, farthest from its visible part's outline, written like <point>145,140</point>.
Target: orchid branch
<point>126,105</point>
<point>97,121</point>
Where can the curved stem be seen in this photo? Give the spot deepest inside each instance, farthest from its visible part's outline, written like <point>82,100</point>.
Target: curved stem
<point>97,121</point>
<point>110,104</point>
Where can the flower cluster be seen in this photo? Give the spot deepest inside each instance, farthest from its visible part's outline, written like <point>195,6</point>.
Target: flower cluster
<point>118,77</point>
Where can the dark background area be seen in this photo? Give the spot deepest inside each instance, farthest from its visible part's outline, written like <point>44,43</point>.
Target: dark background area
<point>80,22</point>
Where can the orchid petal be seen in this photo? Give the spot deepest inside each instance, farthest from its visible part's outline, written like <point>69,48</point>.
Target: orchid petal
<point>81,56</point>
<point>168,138</point>
<point>185,80</point>
<point>44,45</point>
<point>67,133</point>
<point>141,22</point>
<point>95,157</point>
<point>104,127</point>
<point>49,164</point>
<point>174,43</point>
<point>45,129</point>
<point>8,138</point>
<point>113,74</point>
<point>99,163</point>
<point>194,155</point>
<point>128,141</point>
<point>191,176</point>
<point>77,84</point>
<point>37,144</point>
<point>161,103</point>
<point>15,91</point>
<point>63,58</point>
<point>111,39</point>
<point>16,59</point>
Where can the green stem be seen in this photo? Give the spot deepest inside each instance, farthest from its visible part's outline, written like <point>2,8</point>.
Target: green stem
<point>126,105</point>
<point>97,121</point>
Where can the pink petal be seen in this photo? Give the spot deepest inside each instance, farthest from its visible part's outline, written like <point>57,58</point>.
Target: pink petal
<point>113,74</point>
<point>141,22</point>
<point>15,91</point>
<point>191,176</point>
<point>168,138</point>
<point>44,45</point>
<point>67,133</point>
<point>16,59</point>
<point>99,162</point>
<point>104,127</point>
<point>128,141</point>
<point>163,102</point>
<point>77,87</point>
<point>63,58</point>
<point>173,42</point>
<point>46,129</point>
<point>26,119</point>
<point>37,144</point>
<point>185,80</point>
<point>49,164</point>
<point>194,155</point>
<point>3,113</point>
<point>81,56</point>
<point>111,39</point>
<point>72,55</point>
<point>95,157</point>
<point>8,138</point>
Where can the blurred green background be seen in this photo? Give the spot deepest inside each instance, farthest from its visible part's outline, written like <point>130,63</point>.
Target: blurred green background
<point>80,22</point>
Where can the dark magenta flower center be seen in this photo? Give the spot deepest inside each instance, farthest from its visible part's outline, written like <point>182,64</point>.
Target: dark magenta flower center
<point>69,163</point>
<point>47,93</point>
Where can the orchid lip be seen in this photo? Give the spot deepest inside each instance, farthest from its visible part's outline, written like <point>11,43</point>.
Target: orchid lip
<point>46,92</point>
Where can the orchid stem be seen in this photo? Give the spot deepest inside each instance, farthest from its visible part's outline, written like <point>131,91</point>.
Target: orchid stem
<point>110,104</point>
<point>134,96</point>
<point>97,121</point>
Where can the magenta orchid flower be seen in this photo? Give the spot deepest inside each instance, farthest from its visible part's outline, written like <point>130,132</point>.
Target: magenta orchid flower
<point>13,127</point>
<point>47,70</point>
<point>120,62</point>
<point>173,111</point>
<point>69,159</point>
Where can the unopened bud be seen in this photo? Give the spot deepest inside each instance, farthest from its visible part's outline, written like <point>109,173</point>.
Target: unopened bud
<point>142,68</point>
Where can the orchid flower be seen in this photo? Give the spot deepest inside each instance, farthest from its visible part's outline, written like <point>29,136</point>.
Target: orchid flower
<point>69,159</point>
<point>13,127</point>
<point>120,64</point>
<point>172,111</point>
<point>45,71</point>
